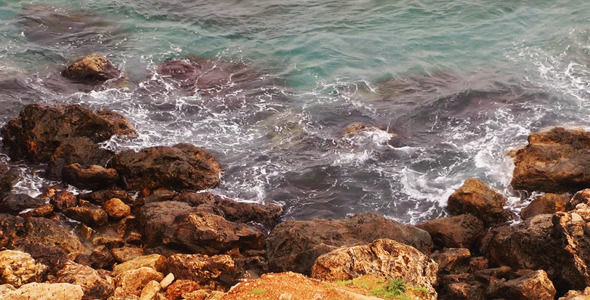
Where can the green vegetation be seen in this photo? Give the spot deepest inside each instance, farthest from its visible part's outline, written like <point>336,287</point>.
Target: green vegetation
<point>257,291</point>
<point>390,289</point>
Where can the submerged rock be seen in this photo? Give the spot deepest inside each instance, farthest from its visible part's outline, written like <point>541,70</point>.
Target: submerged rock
<point>182,166</point>
<point>92,68</point>
<point>476,198</point>
<point>554,161</point>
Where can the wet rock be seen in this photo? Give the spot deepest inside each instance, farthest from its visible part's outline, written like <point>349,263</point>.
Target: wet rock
<point>182,166</point>
<point>90,214</point>
<point>154,219</point>
<point>39,129</point>
<point>181,287</point>
<point>100,197</point>
<point>36,290</point>
<point>207,233</point>
<point>577,295</point>
<point>208,271</point>
<point>267,215</point>
<point>476,198</point>
<point>195,199</point>
<point>18,268</point>
<point>92,177</point>
<point>94,284</point>
<point>534,285</point>
<point>43,211</point>
<point>80,150</point>
<point>63,200</point>
<point>462,291</point>
<point>460,231</point>
<point>158,195</point>
<point>554,161</point>
<point>116,209</point>
<point>383,258</point>
<point>6,179</point>
<point>108,240</point>
<point>15,203</point>
<point>132,282</point>
<point>91,68</point>
<point>545,204</point>
<point>295,245</point>
<point>126,253</point>
<point>154,261</point>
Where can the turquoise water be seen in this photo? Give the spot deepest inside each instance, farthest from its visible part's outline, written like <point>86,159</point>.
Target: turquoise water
<point>450,87</point>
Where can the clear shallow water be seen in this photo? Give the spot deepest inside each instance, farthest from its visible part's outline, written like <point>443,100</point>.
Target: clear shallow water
<point>459,83</point>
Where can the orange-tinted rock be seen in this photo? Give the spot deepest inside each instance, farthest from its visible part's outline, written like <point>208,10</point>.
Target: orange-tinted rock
<point>580,197</point>
<point>460,231</point>
<point>534,285</point>
<point>91,178</point>
<point>462,291</point>
<point>42,211</point>
<point>94,284</point>
<point>577,295</point>
<point>545,204</point>
<point>154,261</point>
<point>452,260</point>
<point>126,253</point>
<point>476,198</point>
<point>80,150</point>
<point>18,268</point>
<point>63,200</point>
<point>181,287</point>
<point>116,208</point>
<point>133,281</point>
<point>90,215</point>
<point>36,290</point>
<point>209,271</point>
<point>91,68</point>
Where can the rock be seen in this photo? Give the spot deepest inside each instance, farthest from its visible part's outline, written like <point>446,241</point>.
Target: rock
<point>43,211</point>
<point>181,287</point>
<point>92,177</point>
<point>126,253</point>
<point>267,215</point>
<point>208,271</point>
<point>94,284</point>
<point>534,285</point>
<point>116,209</point>
<point>452,260</point>
<point>101,258</point>
<point>108,240</point>
<point>577,295</point>
<point>580,197</point>
<point>206,233</point>
<point>91,68</point>
<point>476,198</point>
<point>462,291</point>
<point>6,179</point>
<point>195,199</point>
<point>154,261</point>
<point>36,290</point>
<point>154,219</point>
<point>15,203</point>
<point>295,245</point>
<point>150,290</point>
<point>554,161</point>
<point>40,129</point>
<point>460,231</point>
<point>133,281</point>
<point>100,197</point>
<point>383,258</point>
<point>167,281</point>
<point>80,150</point>
<point>63,200</point>
<point>91,215</point>
<point>545,204</point>
<point>182,166</point>
<point>18,268</point>
<point>51,256</point>
<point>159,195</point>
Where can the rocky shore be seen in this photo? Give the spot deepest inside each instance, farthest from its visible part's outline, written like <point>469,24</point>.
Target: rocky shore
<point>140,225</point>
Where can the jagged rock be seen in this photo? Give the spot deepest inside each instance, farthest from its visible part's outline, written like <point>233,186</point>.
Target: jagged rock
<point>383,258</point>
<point>182,166</point>
<point>116,209</point>
<point>577,295</point>
<point>207,233</point>
<point>545,204</point>
<point>89,214</point>
<point>40,129</point>
<point>295,245</point>
<point>132,282</point>
<point>126,253</point>
<point>534,285</point>
<point>81,150</point>
<point>36,290</point>
<point>101,258</point>
<point>554,161</point>
<point>51,256</point>
<point>181,287</point>
<point>460,231</point>
<point>476,198</point>
<point>100,197</point>
<point>18,268</point>
<point>209,271</point>
<point>462,291</point>
<point>92,177</point>
<point>159,195</point>
<point>580,197</point>
<point>195,199</point>
<point>267,215</point>
<point>63,200</point>
<point>43,211</point>
<point>6,179</point>
<point>94,284</point>
<point>15,203</point>
<point>154,218</point>
<point>91,68</point>
<point>452,260</point>
<point>154,261</point>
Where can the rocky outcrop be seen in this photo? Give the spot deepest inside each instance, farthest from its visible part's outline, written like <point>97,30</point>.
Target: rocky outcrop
<point>36,290</point>
<point>533,285</point>
<point>15,203</point>
<point>92,68</point>
<point>212,272</point>
<point>92,177</point>
<point>577,295</point>
<point>40,129</point>
<point>154,218</point>
<point>383,258</point>
<point>77,150</point>
<point>460,231</point>
<point>554,161</point>
<point>96,285</point>
<point>18,268</point>
<point>266,214</point>
<point>545,204</point>
<point>295,245</point>
<point>476,198</point>
<point>179,167</point>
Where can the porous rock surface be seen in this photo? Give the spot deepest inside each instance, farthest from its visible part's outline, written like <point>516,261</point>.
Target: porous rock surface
<point>478,199</point>
<point>91,68</point>
<point>18,268</point>
<point>460,231</point>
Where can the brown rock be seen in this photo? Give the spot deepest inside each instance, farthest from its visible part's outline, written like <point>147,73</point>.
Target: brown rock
<point>100,197</point>
<point>42,211</point>
<point>476,198</point>
<point>452,260</point>
<point>150,290</point>
<point>545,204</point>
<point>91,215</point>
<point>195,199</point>
<point>126,253</point>
<point>577,295</point>
<point>208,271</point>
<point>460,231</point>
<point>154,261</point>
<point>580,197</point>
<point>462,291</point>
<point>92,177</point>
<point>81,150</point>
<point>534,285</point>
<point>267,215</point>
<point>62,200</point>
<point>94,284</point>
<point>102,258</point>
<point>91,68</point>
<point>179,167</point>
<point>383,258</point>
<point>36,290</point>
<point>51,256</point>
<point>154,219</point>
<point>181,287</point>
<point>295,245</point>
<point>15,203</point>
<point>116,209</point>
<point>6,179</point>
<point>133,281</point>
<point>554,161</point>
<point>18,268</point>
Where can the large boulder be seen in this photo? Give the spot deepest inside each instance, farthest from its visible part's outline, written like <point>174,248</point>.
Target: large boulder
<point>40,129</point>
<point>18,268</point>
<point>383,258</point>
<point>92,177</point>
<point>295,245</point>
<point>460,231</point>
<point>545,204</point>
<point>81,150</point>
<point>92,68</point>
<point>554,161</point>
<point>154,218</point>
<point>265,214</point>
<point>182,166</point>
<point>478,199</point>
<point>532,286</point>
<point>15,203</point>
